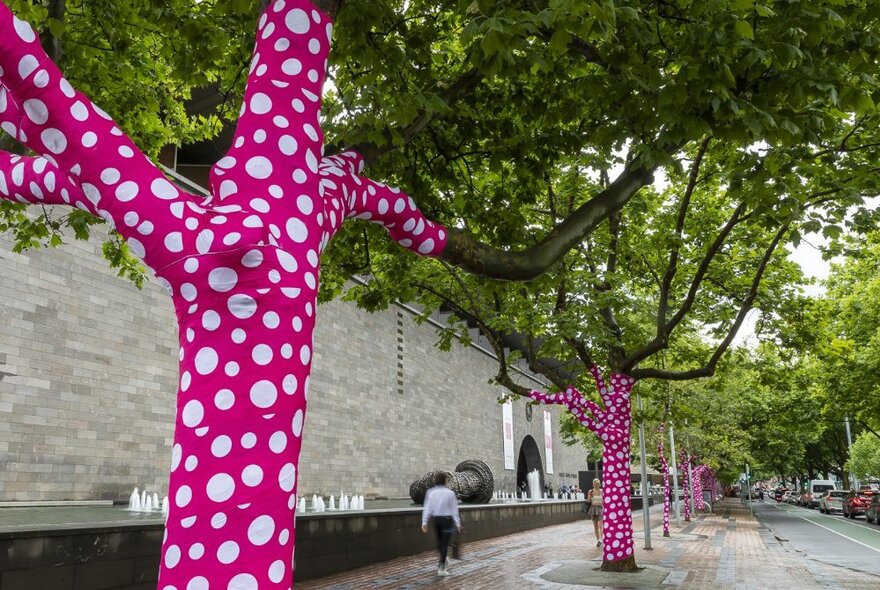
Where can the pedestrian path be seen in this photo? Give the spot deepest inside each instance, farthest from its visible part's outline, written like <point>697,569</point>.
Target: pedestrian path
<point>726,550</point>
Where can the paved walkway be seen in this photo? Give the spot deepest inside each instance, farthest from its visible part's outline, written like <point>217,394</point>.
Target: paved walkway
<point>725,550</point>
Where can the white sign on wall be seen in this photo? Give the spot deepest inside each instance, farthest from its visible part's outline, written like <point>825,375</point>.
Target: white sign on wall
<point>548,441</point>
<point>507,425</point>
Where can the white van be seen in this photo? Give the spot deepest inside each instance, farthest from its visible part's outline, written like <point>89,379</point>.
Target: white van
<point>817,489</point>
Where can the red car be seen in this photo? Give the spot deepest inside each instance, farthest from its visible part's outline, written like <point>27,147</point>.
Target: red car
<point>856,502</point>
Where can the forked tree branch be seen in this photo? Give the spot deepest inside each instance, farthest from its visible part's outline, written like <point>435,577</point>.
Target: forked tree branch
<point>672,266</point>
<point>466,252</point>
<point>709,369</point>
<point>661,339</point>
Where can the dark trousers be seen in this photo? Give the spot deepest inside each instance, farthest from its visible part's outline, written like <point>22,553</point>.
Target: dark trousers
<point>445,526</point>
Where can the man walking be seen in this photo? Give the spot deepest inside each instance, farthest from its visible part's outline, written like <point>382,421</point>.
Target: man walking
<point>441,505</point>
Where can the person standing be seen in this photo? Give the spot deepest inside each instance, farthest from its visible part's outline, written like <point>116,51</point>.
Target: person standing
<point>594,499</point>
<point>441,505</point>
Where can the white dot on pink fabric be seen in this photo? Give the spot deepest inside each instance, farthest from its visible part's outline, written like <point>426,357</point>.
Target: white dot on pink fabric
<point>297,21</point>
<point>242,306</point>
<point>278,442</point>
<point>228,552</point>
<point>287,477</point>
<point>297,230</point>
<point>252,259</point>
<point>206,360</point>
<point>252,475</point>
<point>264,394</point>
<point>224,399</point>
<point>223,279</point>
<point>243,582</point>
<point>297,424</point>
<point>289,384</point>
<point>221,446</point>
<point>172,556</point>
<point>163,189</point>
<point>259,167</point>
<point>287,261</point>
<point>220,487</point>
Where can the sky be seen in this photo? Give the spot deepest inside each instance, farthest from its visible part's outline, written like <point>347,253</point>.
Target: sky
<point>809,258</point>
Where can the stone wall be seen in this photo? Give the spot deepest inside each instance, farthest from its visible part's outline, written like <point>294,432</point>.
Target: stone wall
<point>127,557</point>
<point>88,372</point>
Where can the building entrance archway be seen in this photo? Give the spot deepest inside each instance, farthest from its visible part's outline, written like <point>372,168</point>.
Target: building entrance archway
<point>529,460</point>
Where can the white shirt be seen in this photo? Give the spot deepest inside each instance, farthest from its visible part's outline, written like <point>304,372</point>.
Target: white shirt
<point>440,501</point>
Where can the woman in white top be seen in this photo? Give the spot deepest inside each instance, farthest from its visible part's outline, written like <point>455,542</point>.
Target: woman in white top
<point>594,499</point>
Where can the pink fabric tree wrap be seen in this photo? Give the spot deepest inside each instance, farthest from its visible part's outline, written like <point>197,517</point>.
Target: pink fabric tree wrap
<point>612,424</point>
<point>241,266</point>
<point>684,461</point>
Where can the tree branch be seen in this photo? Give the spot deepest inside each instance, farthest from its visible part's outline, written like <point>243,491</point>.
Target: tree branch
<point>709,369</point>
<point>462,87</point>
<point>52,44</point>
<point>672,267</point>
<point>579,46</point>
<point>464,251</point>
<point>661,340</point>
<point>330,7</point>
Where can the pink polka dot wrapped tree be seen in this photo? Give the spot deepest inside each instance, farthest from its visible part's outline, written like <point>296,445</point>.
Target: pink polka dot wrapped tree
<point>611,422</point>
<point>684,461</point>
<point>242,268</point>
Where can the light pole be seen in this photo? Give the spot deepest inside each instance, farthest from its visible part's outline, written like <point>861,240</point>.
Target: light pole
<point>674,476</point>
<point>852,479</point>
<point>749,484</point>
<point>690,474</point>
<point>646,508</point>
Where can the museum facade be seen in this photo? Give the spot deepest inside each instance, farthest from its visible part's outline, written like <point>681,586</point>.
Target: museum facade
<point>88,376</point>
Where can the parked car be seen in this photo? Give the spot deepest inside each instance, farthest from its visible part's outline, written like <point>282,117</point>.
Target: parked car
<point>832,501</point>
<point>870,487</point>
<point>805,499</point>
<point>856,503</point>
<point>872,514</point>
<point>818,487</point>
<point>793,496</point>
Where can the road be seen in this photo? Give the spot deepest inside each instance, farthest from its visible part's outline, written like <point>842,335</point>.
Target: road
<point>830,539</point>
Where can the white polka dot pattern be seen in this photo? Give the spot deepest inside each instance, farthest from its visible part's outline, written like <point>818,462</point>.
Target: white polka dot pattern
<point>612,424</point>
<point>242,267</point>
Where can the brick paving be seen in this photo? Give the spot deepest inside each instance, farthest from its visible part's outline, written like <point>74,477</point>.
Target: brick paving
<point>725,550</point>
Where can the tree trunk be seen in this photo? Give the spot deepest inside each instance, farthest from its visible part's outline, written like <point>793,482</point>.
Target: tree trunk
<point>617,538</point>
<point>626,565</point>
<point>686,485</point>
<point>697,485</point>
<point>611,423</point>
<point>242,268</point>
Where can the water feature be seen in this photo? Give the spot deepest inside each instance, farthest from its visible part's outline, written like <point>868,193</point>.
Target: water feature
<point>141,501</point>
<point>534,479</point>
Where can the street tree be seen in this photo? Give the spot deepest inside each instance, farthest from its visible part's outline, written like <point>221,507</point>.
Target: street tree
<point>762,116</point>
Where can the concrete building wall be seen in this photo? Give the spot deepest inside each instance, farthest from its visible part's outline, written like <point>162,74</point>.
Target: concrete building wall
<point>88,375</point>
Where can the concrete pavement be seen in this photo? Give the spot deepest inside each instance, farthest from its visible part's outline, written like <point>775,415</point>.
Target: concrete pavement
<point>729,549</point>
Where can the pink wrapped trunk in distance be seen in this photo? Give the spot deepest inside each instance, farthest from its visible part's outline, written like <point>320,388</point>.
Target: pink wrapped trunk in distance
<point>242,267</point>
